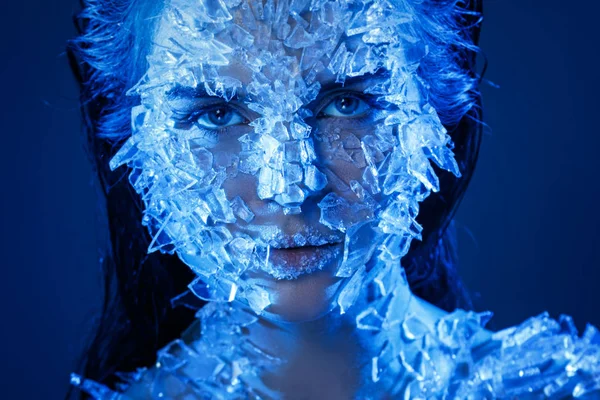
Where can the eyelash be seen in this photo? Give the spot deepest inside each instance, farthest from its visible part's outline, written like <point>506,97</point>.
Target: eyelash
<point>192,118</point>
<point>368,99</point>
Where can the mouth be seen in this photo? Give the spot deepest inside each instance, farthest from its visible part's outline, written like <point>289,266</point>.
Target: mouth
<point>292,262</point>
<point>301,241</point>
<point>305,236</point>
<point>290,255</point>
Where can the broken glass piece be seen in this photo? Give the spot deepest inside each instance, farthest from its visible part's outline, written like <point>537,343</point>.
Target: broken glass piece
<point>359,244</point>
<point>370,180</point>
<point>241,250</point>
<point>257,297</point>
<point>96,390</point>
<point>299,38</point>
<point>292,196</point>
<point>240,36</point>
<point>315,180</point>
<point>374,317</point>
<point>218,205</point>
<point>351,290</point>
<point>241,209</point>
<point>358,190</point>
<point>338,213</point>
<point>215,290</point>
<point>300,130</point>
<point>213,11</point>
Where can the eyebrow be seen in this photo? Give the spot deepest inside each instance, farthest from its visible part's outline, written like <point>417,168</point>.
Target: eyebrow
<point>188,92</point>
<point>199,92</point>
<point>381,73</point>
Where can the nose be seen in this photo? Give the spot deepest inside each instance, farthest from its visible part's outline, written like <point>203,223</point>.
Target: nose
<point>289,174</point>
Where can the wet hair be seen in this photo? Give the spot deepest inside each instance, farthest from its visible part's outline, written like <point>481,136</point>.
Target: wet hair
<point>109,56</point>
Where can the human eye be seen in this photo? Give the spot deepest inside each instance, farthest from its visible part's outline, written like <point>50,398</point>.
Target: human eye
<point>219,117</point>
<point>213,118</point>
<point>345,106</point>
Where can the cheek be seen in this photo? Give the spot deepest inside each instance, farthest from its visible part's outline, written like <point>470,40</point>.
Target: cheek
<point>242,185</point>
<point>226,154</point>
<point>337,145</point>
<point>338,148</point>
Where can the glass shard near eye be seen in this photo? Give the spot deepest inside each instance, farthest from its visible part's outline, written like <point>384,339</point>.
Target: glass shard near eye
<point>224,87</point>
<point>300,130</point>
<point>339,60</point>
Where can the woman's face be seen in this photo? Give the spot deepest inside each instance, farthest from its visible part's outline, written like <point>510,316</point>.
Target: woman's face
<point>281,150</point>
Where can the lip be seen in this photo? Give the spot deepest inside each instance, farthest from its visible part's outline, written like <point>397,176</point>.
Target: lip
<point>299,237</point>
<point>297,249</point>
<point>298,242</point>
<point>290,263</point>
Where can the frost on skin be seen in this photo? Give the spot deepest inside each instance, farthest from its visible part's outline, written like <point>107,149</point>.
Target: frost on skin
<point>180,173</point>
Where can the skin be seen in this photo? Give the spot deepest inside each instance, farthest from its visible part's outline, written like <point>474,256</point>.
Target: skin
<point>311,295</point>
<point>384,342</point>
<point>324,358</point>
<point>324,353</point>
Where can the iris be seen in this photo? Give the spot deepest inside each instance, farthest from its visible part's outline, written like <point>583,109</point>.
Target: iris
<point>346,106</point>
<point>220,117</point>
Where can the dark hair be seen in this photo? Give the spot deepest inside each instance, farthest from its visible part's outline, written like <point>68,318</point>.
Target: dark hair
<point>108,57</point>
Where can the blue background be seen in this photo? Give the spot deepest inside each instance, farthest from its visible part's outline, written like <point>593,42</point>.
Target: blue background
<point>528,225</point>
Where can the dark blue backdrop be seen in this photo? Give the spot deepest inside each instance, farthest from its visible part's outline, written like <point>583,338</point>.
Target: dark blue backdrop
<point>528,225</point>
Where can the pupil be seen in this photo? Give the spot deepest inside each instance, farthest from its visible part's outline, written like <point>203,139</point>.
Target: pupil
<point>220,116</point>
<point>346,105</point>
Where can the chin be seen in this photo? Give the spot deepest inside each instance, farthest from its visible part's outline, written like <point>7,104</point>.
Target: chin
<point>306,298</point>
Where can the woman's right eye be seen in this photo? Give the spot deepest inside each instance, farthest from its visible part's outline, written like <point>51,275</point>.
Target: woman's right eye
<point>219,117</point>
<point>346,107</point>
<point>210,118</point>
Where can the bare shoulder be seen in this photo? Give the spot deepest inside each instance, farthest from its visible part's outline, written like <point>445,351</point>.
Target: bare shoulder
<point>160,383</point>
<point>182,370</point>
<point>542,357</point>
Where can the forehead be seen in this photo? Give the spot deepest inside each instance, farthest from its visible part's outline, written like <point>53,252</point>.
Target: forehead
<point>274,41</point>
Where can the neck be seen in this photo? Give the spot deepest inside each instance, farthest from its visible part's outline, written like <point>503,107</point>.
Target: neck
<point>344,354</point>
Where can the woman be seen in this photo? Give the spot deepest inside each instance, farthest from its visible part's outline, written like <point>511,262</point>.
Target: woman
<point>288,152</point>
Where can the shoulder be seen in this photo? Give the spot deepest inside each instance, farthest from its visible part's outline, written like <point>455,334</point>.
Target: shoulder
<point>541,357</point>
<point>182,371</point>
<point>203,364</point>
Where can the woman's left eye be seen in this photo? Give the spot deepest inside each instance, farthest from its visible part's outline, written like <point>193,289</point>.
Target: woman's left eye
<point>346,107</point>
<point>219,117</point>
